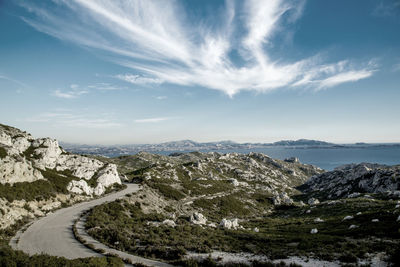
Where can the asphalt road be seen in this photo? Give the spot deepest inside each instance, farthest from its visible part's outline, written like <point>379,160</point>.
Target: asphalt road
<point>53,235</point>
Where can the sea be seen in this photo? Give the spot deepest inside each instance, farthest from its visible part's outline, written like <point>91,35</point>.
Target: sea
<point>325,158</point>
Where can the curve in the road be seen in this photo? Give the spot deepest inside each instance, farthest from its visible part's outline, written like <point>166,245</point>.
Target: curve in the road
<point>53,234</point>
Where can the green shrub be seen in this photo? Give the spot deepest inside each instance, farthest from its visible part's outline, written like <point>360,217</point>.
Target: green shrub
<point>3,153</point>
<point>168,191</point>
<point>9,257</point>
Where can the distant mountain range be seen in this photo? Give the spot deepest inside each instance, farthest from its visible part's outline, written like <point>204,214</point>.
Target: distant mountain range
<point>189,145</point>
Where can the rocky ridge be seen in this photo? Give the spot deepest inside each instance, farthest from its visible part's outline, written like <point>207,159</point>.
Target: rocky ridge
<point>352,180</point>
<point>24,159</point>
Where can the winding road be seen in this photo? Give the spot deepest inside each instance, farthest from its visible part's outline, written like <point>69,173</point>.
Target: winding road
<point>53,235</point>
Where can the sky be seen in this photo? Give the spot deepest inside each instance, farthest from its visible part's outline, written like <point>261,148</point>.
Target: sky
<point>134,72</point>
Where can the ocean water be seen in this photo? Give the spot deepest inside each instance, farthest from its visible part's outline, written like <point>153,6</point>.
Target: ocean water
<point>326,158</point>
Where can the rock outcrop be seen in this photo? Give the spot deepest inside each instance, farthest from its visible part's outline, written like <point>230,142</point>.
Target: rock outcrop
<point>198,218</point>
<point>353,179</point>
<point>24,159</point>
<point>229,224</point>
<point>282,199</point>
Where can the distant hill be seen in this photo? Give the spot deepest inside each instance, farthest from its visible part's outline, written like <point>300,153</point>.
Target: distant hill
<point>302,142</point>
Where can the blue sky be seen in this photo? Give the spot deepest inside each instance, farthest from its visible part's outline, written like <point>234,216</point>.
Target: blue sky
<point>119,72</point>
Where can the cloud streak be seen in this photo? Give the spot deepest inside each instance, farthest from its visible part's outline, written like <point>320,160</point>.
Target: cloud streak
<point>161,46</point>
<point>76,91</point>
<point>152,120</point>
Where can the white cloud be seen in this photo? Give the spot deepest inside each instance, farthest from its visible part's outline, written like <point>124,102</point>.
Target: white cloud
<point>163,45</point>
<point>161,97</point>
<point>137,79</point>
<point>77,91</point>
<point>152,120</point>
<point>69,94</point>
<point>350,76</point>
<point>105,87</point>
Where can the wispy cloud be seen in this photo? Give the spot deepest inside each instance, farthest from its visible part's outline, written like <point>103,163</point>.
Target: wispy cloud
<point>137,79</point>
<point>164,47</point>
<point>68,119</point>
<point>387,8</point>
<point>161,97</point>
<point>4,77</point>
<point>76,91</point>
<point>153,120</point>
<point>69,94</point>
<point>105,87</point>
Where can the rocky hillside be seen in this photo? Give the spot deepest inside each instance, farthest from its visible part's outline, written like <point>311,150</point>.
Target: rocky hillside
<point>183,183</point>
<point>236,207</point>
<point>37,175</point>
<point>355,179</point>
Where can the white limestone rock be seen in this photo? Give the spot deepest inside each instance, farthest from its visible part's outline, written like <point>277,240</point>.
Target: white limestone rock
<point>169,223</point>
<point>81,167</point>
<point>353,226</point>
<point>229,224</point>
<point>99,189</point>
<point>108,176</point>
<point>313,201</point>
<point>21,143</point>
<point>79,187</point>
<point>398,219</point>
<point>47,152</point>
<point>375,220</point>
<point>14,170</point>
<point>234,182</point>
<point>213,225</point>
<point>318,220</point>
<point>256,230</point>
<point>282,199</point>
<point>349,217</point>
<point>5,139</point>
<point>314,231</point>
<point>198,218</point>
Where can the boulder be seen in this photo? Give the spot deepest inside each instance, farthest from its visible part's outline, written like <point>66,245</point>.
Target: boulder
<point>169,223</point>
<point>229,224</point>
<point>349,217</point>
<point>79,187</point>
<point>353,226</point>
<point>198,218</point>
<point>314,231</point>
<point>282,199</point>
<point>99,189</point>
<point>318,220</point>
<point>313,201</point>
<point>108,175</point>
